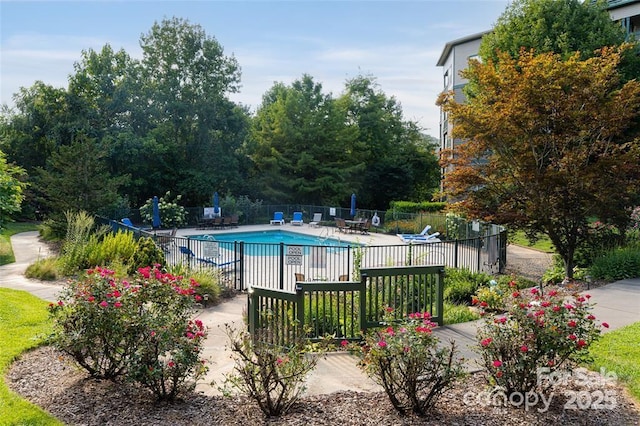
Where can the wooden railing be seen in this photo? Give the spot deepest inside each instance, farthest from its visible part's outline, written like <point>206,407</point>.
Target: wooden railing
<point>344,310</point>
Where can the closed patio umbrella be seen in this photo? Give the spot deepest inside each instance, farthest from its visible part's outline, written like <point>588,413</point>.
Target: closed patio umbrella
<point>353,205</point>
<point>156,213</point>
<point>216,204</point>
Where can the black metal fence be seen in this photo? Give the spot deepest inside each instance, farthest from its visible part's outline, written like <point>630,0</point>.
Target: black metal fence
<point>275,266</point>
<point>345,309</point>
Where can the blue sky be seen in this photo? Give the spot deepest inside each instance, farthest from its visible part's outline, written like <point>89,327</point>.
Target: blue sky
<point>397,42</point>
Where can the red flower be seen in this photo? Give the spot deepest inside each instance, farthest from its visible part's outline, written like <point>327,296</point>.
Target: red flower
<point>515,294</point>
<point>499,374</point>
<point>571,323</point>
<point>382,344</point>
<point>534,291</point>
<point>484,304</point>
<point>60,303</point>
<point>524,348</point>
<point>552,293</point>
<point>581,343</point>
<point>497,363</point>
<point>605,325</point>
<point>588,296</point>
<point>572,337</point>
<point>117,305</point>
<point>556,308</point>
<point>344,343</point>
<point>171,364</point>
<point>512,283</point>
<point>486,342</point>
<point>104,304</point>
<point>591,317</point>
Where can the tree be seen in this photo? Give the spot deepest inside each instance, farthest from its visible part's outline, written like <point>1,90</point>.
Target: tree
<point>549,145</point>
<point>301,150</point>
<point>557,26</point>
<point>11,189</point>
<point>77,179</point>
<point>399,165</point>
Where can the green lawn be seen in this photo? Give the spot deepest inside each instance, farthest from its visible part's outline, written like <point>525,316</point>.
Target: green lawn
<point>6,252</point>
<point>24,324</point>
<point>543,244</point>
<point>619,352</point>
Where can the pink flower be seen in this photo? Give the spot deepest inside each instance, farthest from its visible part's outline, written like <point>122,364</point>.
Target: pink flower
<point>605,325</point>
<point>512,283</point>
<point>572,337</point>
<point>390,331</point>
<point>117,305</point>
<point>91,299</point>
<point>497,363</point>
<point>344,343</point>
<point>591,317</point>
<point>486,342</point>
<point>556,308</point>
<point>104,304</point>
<point>389,309</point>
<point>515,294</point>
<point>382,344</point>
<point>534,291</point>
<point>571,323</point>
<point>568,306</point>
<point>524,348</point>
<point>60,303</point>
<point>279,361</point>
<point>553,293</point>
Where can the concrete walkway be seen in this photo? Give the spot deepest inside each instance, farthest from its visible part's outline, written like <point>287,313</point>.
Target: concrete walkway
<point>618,304</point>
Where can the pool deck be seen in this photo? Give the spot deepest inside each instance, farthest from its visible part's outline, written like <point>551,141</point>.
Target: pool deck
<point>372,238</point>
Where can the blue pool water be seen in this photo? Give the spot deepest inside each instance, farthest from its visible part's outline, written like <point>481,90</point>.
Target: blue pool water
<point>256,238</point>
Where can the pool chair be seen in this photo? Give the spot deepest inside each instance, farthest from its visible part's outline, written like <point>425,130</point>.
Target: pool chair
<point>317,218</point>
<point>278,219</point>
<point>421,238</point>
<point>192,256</point>
<point>297,219</point>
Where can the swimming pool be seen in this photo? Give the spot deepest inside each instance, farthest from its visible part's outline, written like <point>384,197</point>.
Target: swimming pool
<point>255,239</point>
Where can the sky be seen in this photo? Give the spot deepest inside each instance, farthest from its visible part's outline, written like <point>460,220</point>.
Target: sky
<point>396,42</point>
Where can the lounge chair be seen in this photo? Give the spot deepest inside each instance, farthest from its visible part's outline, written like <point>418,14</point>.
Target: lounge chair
<point>317,218</point>
<point>297,219</point>
<point>421,238</point>
<point>191,255</point>
<point>278,219</point>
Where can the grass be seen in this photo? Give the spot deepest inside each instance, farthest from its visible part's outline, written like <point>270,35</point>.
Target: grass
<point>543,243</point>
<point>6,252</point>
<point>619,352</point>
<point>23,325</point>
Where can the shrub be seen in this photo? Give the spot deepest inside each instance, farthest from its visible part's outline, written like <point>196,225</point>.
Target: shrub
<point>43,269</point>
<point>455,314</point>
<point>538,332</point>
<point>140,328</point>
<point>617,264</point>
<point>112,247</point>
<point>74,248</point>
<point>406,360</point>
<point>172,215</point>
<point>273,376</point>
<point>461,284</point>
<point>209,288</point>
<point>556,274</point>
<point>147,253</point>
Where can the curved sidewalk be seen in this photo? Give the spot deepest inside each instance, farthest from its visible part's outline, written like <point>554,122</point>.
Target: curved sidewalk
<point>618,304</point>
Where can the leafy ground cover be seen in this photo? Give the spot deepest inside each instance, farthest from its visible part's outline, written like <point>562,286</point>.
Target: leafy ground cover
<point>616,353</point>
<point>6,252</point>
<point>23,326</point>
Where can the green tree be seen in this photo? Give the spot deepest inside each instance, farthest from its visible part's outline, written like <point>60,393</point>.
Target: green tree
<point>77,179</point>
<point>549,145</point>
<point>557,26</point>
<point>187,78</point>
<point>399,164</point>
<point>301,150</point>
<point>11,189</point>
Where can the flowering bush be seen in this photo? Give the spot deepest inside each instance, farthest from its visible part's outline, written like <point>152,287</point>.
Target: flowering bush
<point>404,358</point>
<point>273,376</point>
<point>539,331</point>
<point>140,328</point>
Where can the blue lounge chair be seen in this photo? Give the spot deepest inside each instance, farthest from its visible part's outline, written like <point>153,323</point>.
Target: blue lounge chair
<point>297,219</point>
<point>278,219</point>
<point>191,255</point>
<point>421,238</point>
